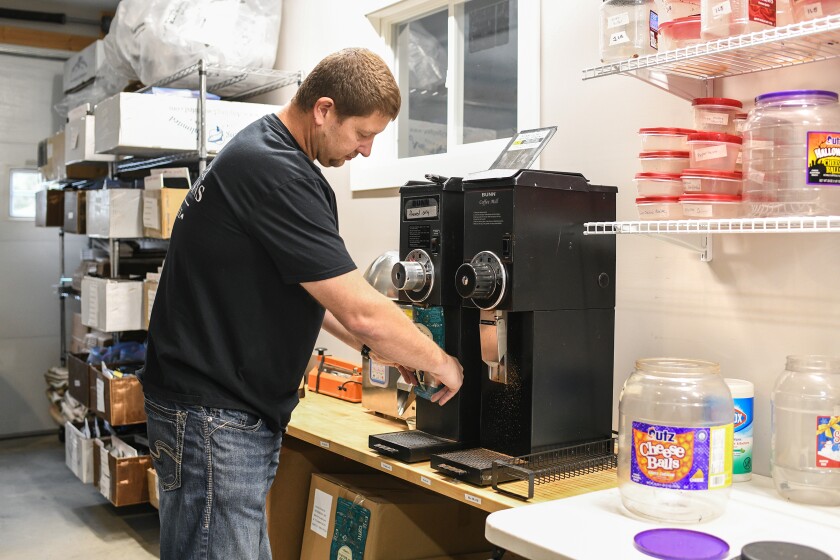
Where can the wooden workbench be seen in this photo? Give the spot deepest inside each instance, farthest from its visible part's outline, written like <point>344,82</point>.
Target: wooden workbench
<point>343,428</point>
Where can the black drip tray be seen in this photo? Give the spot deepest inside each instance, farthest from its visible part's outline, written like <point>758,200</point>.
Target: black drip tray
<point>412,446</point>
<point>474,466</point>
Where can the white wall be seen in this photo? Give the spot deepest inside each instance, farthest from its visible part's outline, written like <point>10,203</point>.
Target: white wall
<point>763,296</point>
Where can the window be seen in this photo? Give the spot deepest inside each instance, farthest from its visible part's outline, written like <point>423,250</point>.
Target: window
<point>469,74</point>
<point>23,183</point>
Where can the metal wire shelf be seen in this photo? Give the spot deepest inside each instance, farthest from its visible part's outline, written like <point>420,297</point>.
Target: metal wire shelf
<point>509,475</point>
<point>799,43</point>
<point>230,82</point>
<point>796,224</point>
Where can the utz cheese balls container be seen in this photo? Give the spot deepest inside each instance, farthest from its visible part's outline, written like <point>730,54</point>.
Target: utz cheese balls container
<point>714,150</point>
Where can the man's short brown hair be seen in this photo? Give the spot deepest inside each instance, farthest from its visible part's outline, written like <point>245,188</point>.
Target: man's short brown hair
<point>357,80</point>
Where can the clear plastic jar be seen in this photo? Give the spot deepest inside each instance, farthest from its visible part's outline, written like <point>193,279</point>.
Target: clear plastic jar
<point>725,18</point>
<point>791,154</point>
<point>628,29</point>
<point>675,440</point>
<point>805,430</point>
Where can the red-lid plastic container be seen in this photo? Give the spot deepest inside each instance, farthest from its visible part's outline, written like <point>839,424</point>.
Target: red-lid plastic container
<point>659,184</point>
<point>664,139</point>
<point>716,114</point>
<point>709,181</point>
<point>659,208</point>
<point>664,161</point>
<point>716,206</point>
<point>714,150</point>
<point>679,33</point>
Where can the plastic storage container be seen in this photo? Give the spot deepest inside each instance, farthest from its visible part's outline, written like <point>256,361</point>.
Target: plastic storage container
<point>805,430</point>
<point>659,208</point>
<point>675,440</point>
<point>708,181</point>
<point>711,206</point>
<point>659,184</point>
<point>791,155</point>
<point>669,10</point>
<point>725,18</point>
<point>714,150</point>
<point>803,10</point>
<point>679,33</point>
<point>664,139</point>
<point>628,29</point>
<point>664,161</point>
<point>716,114</point>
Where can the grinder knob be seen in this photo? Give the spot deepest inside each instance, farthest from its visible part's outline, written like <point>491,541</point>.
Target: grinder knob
<point>477,281</point>
<point>409,276</point>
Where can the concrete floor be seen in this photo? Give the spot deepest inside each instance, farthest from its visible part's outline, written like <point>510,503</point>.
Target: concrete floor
<point>47,513</point>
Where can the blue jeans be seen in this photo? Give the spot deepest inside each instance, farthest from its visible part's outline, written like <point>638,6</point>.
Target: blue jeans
<point>215,468</point>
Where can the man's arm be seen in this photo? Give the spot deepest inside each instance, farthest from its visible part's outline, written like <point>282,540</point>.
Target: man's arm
<point>372,319</point>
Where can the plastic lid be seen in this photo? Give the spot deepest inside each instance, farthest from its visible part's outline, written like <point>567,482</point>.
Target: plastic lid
<point>656,199</point>
<point>710,198</point>
<point>658,176</point>
<point>666,130</point>
<point>794,93</point>
<point>712,174</point>
<point>685,27</point>
<point>771,550</point>
<point>715,137</point>
<point>664,154</point>
<point>717,101</point>
<point>681,544</point>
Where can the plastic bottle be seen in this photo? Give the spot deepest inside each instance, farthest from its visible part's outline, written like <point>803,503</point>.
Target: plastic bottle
<point>725,18</point>
<point>791,154</point>
<point>805,424</point>
<point>743,394</point>
<point>628,28</point>
<point>675,440</point>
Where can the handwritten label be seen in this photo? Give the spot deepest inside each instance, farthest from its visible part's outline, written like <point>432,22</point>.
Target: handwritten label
<point>619,38</point>
<point>321,507</point>
<point>721,9</point>
<point>618,20</point>
<point>715,118</point>
<point>814,10</point>
<point>710,152</point>
<point>691,185</point>
<point>419,213</point>
<point>698,210</point>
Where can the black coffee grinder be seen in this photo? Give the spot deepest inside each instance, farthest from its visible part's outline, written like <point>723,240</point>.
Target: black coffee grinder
<point>431,249</point>
<point>545,294</point>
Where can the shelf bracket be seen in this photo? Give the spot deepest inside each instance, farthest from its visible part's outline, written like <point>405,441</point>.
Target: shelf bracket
<point>681,86</point>
<point>705,248</point>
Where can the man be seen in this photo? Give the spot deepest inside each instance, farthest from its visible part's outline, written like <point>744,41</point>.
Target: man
<point>254,260</point>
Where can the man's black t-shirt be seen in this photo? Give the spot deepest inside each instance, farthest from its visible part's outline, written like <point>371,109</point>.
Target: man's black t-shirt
<point>231,326</point>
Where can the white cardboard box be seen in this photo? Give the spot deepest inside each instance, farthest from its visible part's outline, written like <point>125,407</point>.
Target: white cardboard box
<point>78,453</point>
<point>115,213</point>
<point>79,141</point>
<point>111,304</point>
<point>147,125</point>
<point>81,67</point>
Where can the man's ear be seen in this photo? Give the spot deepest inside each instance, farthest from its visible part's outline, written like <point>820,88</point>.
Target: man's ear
<point>323,106</point>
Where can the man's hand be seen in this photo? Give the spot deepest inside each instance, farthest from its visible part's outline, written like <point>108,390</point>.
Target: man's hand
<point>451,377</point>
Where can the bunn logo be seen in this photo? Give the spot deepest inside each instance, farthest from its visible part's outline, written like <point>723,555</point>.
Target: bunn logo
<point>740,418</point>
<point>486,194</point>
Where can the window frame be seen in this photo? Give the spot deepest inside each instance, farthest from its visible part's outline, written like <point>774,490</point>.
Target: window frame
<point>11,197</point>
<point>383,169</point>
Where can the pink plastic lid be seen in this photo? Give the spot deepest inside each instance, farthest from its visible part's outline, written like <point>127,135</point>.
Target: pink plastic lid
<point>683,28</point>
<point>715,137</point>
<point>664,154</point>
<point>666,130</point>
<point>658,176</point>
<point>717,101</point>
<point>710,198</point>
<point>656,199</point>
<point>712,174</point>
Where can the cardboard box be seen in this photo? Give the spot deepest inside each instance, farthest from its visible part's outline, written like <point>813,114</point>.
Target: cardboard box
<point>154,490</point>
<point>81,68</point>
<point>78,377</point>
<point>79,141</point>
<point>49,208</point>
<point>149,292</point>
<point>52,156</point>
<point>403,522</point>
<point>120,401</point>
<point>112,304</point>
<point>286,502</point>
<point>149,125</point>
<point>78,453</point>
<point>123,481</point>
<point>115,213</point>
<point>160,210</point>
<point>98,339</point>
<point>75,210</point>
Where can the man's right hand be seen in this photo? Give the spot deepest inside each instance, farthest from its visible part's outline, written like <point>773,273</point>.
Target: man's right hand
<point>451,377</point>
